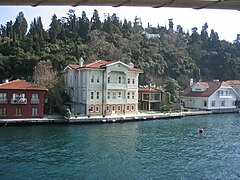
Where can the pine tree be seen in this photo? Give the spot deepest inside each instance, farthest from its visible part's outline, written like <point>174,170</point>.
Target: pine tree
<point>95,20</point>
<point>55,29</point>
<point>20,26</point>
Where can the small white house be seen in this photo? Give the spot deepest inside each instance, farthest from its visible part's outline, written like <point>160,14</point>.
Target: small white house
<point>214,95</point>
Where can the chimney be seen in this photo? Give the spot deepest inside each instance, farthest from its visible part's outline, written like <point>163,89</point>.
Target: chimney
<point>191,82</point>
<point>81,61</point>
<point>131,65</point>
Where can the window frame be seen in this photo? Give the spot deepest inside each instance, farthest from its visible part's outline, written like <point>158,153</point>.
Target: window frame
<point>18,112</point>
<point>92,95</point>
<point>35,111</point>
<point>3,111</point>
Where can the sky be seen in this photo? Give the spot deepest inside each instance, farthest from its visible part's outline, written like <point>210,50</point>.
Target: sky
<point>224,22</point>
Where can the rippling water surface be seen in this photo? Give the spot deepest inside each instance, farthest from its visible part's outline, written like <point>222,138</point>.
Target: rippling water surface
<point>159,149</point>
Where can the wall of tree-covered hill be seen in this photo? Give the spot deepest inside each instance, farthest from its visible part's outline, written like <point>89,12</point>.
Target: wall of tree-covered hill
<point>168,55</point>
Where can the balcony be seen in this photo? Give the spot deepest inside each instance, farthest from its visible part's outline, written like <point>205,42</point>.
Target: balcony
<point>3,101</point>
<point>224,96</point>
<point>116,86</point>
<point>34,101</point>
<point>19,101</point>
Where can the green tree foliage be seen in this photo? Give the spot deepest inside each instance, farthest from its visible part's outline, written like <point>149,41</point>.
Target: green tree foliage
<point>55,29</point>
<point>169,57</point>
<point>20,26</point>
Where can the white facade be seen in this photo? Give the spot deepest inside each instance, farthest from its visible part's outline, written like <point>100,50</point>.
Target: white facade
<point>224,97</point>
<point>111,88</point>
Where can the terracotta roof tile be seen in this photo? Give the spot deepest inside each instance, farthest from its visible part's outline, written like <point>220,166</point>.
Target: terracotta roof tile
<point>212,87</point>
<point>74,66</point>
<point>233,82</point>
<point>148,90</point>
<point>20,84</point>
<point>97,64</point>
<point>135,69</point>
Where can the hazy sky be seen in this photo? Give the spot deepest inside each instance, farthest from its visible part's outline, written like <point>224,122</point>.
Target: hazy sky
<point>224,22</point>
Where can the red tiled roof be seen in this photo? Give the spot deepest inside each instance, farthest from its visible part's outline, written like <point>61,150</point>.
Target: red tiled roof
<point>135,69</point>
<point>233,82</point>
<point>74,66</point>
<point>20,84</point>
<point>148,90</point>
<point>203,84</point>
<point>212,87</point>
<point>97,64</point>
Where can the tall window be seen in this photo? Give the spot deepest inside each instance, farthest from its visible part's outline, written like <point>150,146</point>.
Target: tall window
<point>128,80</point>
<point>119,79</point>
<point>119,107</point>
<point>107,108</point>
<point>98,95</point>
<point>133,107</point>
<point>213,103</point>
<point>133,81</point>
<point>92,79</point>
<point>34,96</point>
<point>222,103</point>
<point>91,109</point>
<point>128,95</point>
<point>113,107</point>
<point>97,109</point>
<point>109,95</point>
<point>34,111</point>
<point>18,112</point>
<point>128,108</point>
<point>114,95</point>
<point>133,95</point>
<point>98,79</point>
<point>92,95</point>
<point>119,95</point>
<point>3,111</point>
<point>3,96</point>
<point>108,79</point>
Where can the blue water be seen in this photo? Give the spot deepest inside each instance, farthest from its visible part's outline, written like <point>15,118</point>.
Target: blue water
<point>159,149</point>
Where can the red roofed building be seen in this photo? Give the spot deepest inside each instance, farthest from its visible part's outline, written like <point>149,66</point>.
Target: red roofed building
<point>209,96</point>
<point>149,98</point>
<point>102,87</point>
<point>21,99</point>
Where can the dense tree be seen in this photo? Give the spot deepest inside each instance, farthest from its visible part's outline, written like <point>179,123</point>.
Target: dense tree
<point>20,26</point>
<point>168,57</point>
<point>95,20</point>
<point>55,29</point>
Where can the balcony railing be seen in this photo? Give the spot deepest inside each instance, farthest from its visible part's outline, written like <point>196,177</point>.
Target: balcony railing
<point>116,86</point>
<point>19,101</point>
<point>3,101</point>
<point>34,101</point>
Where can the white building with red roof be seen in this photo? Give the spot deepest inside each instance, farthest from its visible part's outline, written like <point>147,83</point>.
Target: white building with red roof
<point>214,95</point>
<point>21,99</point>
<point>102,87</point>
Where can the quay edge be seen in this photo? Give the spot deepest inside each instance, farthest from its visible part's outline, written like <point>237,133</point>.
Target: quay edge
<point>100,119</point>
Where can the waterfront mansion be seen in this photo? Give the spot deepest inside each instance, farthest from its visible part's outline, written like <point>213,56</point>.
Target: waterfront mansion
<point>102,88</point>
